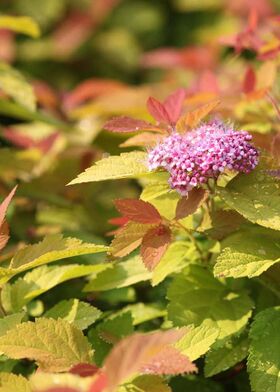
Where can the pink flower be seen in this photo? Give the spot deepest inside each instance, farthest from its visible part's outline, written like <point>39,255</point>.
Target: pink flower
<point>195,157</point>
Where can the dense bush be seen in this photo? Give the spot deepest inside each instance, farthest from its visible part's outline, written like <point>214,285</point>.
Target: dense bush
<point>166,276</point>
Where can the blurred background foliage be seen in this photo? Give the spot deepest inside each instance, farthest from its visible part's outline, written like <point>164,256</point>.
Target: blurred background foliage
<point>98,58</point>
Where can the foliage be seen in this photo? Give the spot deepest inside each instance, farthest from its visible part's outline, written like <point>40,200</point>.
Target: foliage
<point>130,260</point>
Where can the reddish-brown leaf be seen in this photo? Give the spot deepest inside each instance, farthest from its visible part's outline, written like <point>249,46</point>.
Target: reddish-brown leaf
<point>138,211</point>
<point>128,238</point>
<point>189,204</point>
<point>158,111</point>
<point>169,361</point>
<point>128,124</point>
<point>192,119</point>
<point>174,104</point>
<point>154,245</point>
<point>84,369</point>
<point>5,204</point>
<point>4,234</point>
<point>133,352</point>
<point>249,82</point>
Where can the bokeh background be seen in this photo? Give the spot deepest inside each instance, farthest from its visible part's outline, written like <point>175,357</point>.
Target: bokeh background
<point>99,58</point>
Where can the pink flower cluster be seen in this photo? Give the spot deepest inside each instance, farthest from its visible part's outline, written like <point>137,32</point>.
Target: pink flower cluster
<point>195,157</point>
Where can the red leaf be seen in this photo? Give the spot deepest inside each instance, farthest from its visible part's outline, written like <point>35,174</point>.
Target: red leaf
<point>154,244</point>
<point>138,211</point>
<point>188,205</point>
<point>99,384</point>
<point>127,124</point>
<point>174,104</point>
<point>5,204</point>
<point>84,369</point>
<point>118,221</point>
<point>169,361</point>
<point>158,111</point>
<point>133,352</point>
<point>249,82</point>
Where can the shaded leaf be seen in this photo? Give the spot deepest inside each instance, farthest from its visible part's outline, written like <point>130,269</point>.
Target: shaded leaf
<point>138,211</point>
<point>263,361</point>
<point>130,164</point>
<point>219,359</point>
<point>54,344</point>
<point>145,383</point>
<point>121,274</point>
<point>195,295</point>
<point>154,245</point>
<point>189,204</point>
<point>39,280</point>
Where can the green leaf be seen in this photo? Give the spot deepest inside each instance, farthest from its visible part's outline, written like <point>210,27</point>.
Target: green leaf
<point>248,253</point>
<point>123,274</point>
<point>264,359</point>
<point>78,313</point>
<point>38,281</point>
<point>195,295</point>
<point>147,383</point>
<point>54,344</point>
<point>9,322</point>
<point>11,382</point>
<point>143,312</point>
<point>20,24</point>
<point>219,359</point>
<point>108,332</point>
<point>14,84</point>
<point>256,196</point>
<point>177,256</point>
<point>198,340</point>
<point>126,165</point>
<point>52,248</point>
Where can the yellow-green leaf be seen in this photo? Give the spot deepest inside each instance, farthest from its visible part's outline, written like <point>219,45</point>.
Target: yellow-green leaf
<point>126,165</point>
<point>55,345</point>
<point>20,24</point>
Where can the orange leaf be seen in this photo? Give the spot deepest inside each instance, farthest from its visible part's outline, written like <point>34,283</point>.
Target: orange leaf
<point>146,139</point>
<point>128,124</point>
<point>192,119</point>
<point>154,245</point>
<point>249,81</point>
<point>189,204</point>
<point>133,352</point>
<point>138,211</point>
<point>128,238</point>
